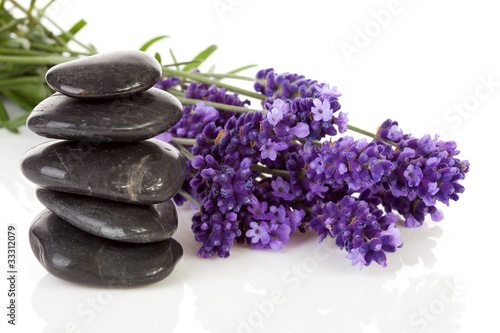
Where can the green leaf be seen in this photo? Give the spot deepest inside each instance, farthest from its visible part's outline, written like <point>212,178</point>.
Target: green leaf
<point>73,31</point>
<point>15,123</point>
<point>237,70</point>
<point>3,113</point>
<point>32,5</point>
<point>177,64</point>
<point>158,57</point>
<point>15,70</point>
<point>5,121</point>
<point>7,50</point>
<point>202,56</point>
<point>19,100</point>
<point>151,42</point>
<point>8,83</point>
<point>35,60</point>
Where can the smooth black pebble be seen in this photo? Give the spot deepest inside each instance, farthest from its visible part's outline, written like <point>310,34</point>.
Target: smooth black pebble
<point>74,255</point>
<point>106,75</point>
<point>134,118</point>
<point>113,220</point>
<point>146,172</point>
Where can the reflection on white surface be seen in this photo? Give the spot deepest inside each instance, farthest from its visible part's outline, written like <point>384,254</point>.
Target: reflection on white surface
<point>66,307</point>
<point>306,287</point>
<point>310,286</point>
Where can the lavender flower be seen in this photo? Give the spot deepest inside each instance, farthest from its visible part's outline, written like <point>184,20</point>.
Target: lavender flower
<point>389,130</point>
<point>278,109</point>
<point>337,188</point>
<point>264,235</point>
<point>270,148</point>
<point>428,170</point>
<point>321,110</point>
<point>216,231</point>
<point>358,227</point>
<point>286,85</point>
<point>326,92</point>
<point>281,189</point>
<point>259,232</point>
<point>305,102</point>
<point>357,164</point>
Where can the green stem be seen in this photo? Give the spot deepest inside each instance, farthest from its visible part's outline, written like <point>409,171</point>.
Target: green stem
<point>7,83</point>
<point>275,172</point>
<point>35,60</point>
<point>176,93</point>
<point>177,64</point>
<point>316,143</point>
<point>307,209</point>
<point>174,58</point>
<point>190,198</point>
<point>6,50</point>
<point>183,141</point>
<point>47,5</point>
<point>57,49</point>
<point>371,135</point>
<point>228,76</point>
<point>185,152</point>
<point>201,78</point>
<point>219,106</point>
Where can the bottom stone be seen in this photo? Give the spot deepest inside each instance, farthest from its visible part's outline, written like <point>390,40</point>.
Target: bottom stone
<point>74,255</point>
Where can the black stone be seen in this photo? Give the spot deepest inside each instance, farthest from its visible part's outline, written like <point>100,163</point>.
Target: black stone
<point>146,172</point>
<point>133,118</point>
<point>113,220</point>
<point>106,75</point>
<point>74,255</point>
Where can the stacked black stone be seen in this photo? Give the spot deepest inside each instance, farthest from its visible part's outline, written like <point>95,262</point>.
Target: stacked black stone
<point>107,185</point>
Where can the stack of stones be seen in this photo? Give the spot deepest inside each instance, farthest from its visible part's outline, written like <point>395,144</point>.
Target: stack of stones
<point>107,185</point>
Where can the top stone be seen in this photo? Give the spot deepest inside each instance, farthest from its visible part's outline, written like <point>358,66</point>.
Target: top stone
<point>106,75</point>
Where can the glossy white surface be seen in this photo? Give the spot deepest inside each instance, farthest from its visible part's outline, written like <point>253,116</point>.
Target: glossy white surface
<point>434,67</point>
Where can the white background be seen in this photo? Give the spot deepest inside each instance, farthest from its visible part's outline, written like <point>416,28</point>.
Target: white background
<point>426,64</point>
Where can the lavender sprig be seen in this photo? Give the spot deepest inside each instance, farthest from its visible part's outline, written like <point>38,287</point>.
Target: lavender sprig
<point>259,176</point>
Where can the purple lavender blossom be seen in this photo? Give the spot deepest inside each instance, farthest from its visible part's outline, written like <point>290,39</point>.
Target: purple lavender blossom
<point>227,185</point>
<point>325,91</point>
<point>279,214</point>
<point>413,175</point>
<point>286,85</point>
<point>268,235</point>
<point>259,232</point>
<point>321,110</point>
<point>216,231</point>
<point>259,210</point>
<point>427,169</point>
<point>281,189</point>
<point>356,164</point>
<point>345,182</point>
<point>389,130</point>
<point>270,149</point>
<point>306,103</point>
<point>358,227</point>
<point>274,116</point>
<point>357,258</point>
